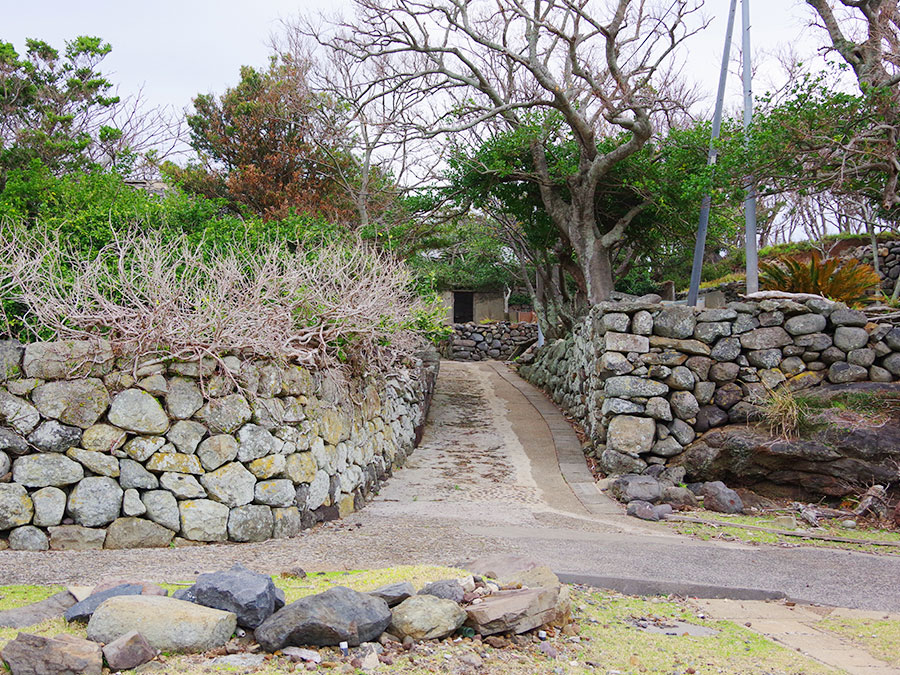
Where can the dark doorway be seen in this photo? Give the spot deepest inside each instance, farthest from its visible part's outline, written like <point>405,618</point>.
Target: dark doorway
<point>463,306</point>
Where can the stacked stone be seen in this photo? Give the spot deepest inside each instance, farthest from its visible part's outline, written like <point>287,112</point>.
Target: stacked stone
<point>888,262</point>
<point>645,379</point>
<point>481,341</point>
<point>97,453</point>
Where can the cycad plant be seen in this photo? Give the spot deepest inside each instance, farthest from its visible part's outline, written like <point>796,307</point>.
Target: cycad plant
<point>841,280</point>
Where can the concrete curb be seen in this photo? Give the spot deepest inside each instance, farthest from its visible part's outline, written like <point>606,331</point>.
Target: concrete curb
<point>659,587</point>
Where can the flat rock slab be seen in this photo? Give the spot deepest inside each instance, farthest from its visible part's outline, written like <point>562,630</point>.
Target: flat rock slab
<point>168,624</point>
<point>61,655</point>
<point>518,611</point>
<point>52,607</point>
<point>83,610</point>
<point>394,594</point>
<point>337,615</point>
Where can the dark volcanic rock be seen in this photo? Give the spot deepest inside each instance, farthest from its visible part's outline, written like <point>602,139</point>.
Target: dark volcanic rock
<point>448,589</point>
<point>250,595</point>
<point>631,487</point>
<point>82,611</point>
<point>394,594</point>
<point>719,497</point>
<point>337,615</point>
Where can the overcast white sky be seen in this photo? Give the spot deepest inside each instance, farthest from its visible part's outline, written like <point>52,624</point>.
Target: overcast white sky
<point>176,49</point>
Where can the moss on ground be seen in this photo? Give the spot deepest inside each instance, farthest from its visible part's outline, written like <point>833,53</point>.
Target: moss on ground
<point>606,641</point>
<point>832,528</point>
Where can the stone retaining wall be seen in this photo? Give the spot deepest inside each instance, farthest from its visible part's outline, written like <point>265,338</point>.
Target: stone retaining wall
<point>482,341</point>
<point>645,379</point>
<point>94,454</point>
<point>888,260</point>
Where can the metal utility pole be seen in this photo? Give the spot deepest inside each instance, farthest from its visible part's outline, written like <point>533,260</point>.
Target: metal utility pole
<point>700,246</point>
<point>750,241</point>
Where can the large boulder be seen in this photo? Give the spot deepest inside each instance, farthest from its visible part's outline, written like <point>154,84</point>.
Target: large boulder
<point>28,538</point>
<point>425,617</point>
<point>675,322</point>
<point>95,501</point>
<point>138,411</point>
<point>183,398</point>
<point>251,522</point>
<point>167,624</point>
<point>252,596</point>
<point>76,538</point>
<point>61,655</point>
<point>631,435</point>
<point>337,615</point>
<point>519,611</point>
<point>78,403</point>
<point>162,508</point>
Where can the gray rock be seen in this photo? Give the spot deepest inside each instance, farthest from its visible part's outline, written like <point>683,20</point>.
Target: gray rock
<point>62,655</point>
<point>95,462</point>
<point>138,411</point>
<point>394,594</point>
<point>631,487</point>
<point>11,352</point>
<point>682,432</point>
<point>766,358</point>
<point>337,615</point>
<point>5,464</point>
<point>82,611</point>
<point>216,451</point>
<point>724,372</point>
<point>815,342</point>
<point>277,492</point>
<point>249,595</point>
<point>667,447</point>
<point>132,504</point>
<point>203,520</point>
<point>892,364</point>
<point>12,442</point>
<point>631,435</point>
<point>718,497</point>
<point>51,436</point>
<point>318,490</point>
<point>658,408</point>
<point>892,339</point>
<point>128,652</point>
<point>251,522</point>
<point>681,379</point>
<point>613,462</point>
<point>642,510</point>
<point>841,373</point>
<point>848,317</point>
<point>879,374</point>
<point>103,438</point>
<point>46,470</point>
<point>684,405</point>
<point>133,475</point>
<point>182,485</point>
<point>226,415</point>
<point>286,522</point>
<point>186,436</point>
<point>820,305</point>
<point>675,322</point>
<point>177,462</point>
<point>847,338</point>
<point>615,322</point>
<point>162,508</point>
<point>231,484</point>
<point>37,612</point>
<point>710,332</point>
<point>861,357</point>
<point>95,501</point>
<point>49,506</point>
<point>620,406</point>
<point>255,441</point>
<point>726,349</point>
<point>18,413</point>
<point>425,617</point>
<point>744,324</point>
<point>168,624</point>
<point>28,538</point>
<point>642,323</point>
<point>143,448</point>
<point>68,359</point>
<point>625,342</point>
<point>183,398</point>
<point>679,496</point>
<point>132,532</point>
<point>628,385</point>
<point>76,538</point>
<point>710,416</point>
<point>703,392</point>
<point>78,403</point>
<point>447,589</point>
<point>765,338</point>
<point>804,324</point>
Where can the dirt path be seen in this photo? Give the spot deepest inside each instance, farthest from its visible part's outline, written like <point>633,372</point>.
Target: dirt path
<point>500,470</point>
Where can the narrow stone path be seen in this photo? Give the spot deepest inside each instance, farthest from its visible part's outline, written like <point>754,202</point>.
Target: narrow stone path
<point>499,469</point>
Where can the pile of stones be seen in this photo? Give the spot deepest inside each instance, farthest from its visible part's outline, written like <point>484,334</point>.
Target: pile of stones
<point>238,612</point>
<point>482,341</point>
<point>96,451</point>
<point>644,378</point>
<point>659,492</point>
<point>888,262</point>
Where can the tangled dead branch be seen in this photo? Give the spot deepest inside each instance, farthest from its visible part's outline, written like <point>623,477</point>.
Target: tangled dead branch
<point>316,306</point>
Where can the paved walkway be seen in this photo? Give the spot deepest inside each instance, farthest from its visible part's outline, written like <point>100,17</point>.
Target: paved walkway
<point>499,469</point>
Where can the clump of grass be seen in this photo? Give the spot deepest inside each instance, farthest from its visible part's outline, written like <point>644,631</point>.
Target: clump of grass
<point>783,413</point>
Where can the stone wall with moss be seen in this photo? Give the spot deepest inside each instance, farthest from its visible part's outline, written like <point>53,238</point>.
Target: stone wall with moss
<point>98,452</point>
<point>645,379</point>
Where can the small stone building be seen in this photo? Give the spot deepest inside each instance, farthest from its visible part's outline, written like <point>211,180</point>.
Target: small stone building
<point>466,306</point>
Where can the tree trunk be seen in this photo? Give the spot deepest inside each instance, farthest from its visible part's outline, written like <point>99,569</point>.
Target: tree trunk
<point>594,260</point>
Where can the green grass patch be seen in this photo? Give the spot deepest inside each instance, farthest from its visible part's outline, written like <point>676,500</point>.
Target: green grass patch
<point>879,637</point>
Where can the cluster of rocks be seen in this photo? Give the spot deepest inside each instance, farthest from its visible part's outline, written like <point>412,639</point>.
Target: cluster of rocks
<point>645,378</point>
<point>659,492</point>
<point>97,452</point>
<point>130,623</point>
<point>888,262</point>
<point>482,341</point>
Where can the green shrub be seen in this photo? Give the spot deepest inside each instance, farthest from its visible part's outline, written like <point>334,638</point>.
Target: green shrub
<point>841,280</point>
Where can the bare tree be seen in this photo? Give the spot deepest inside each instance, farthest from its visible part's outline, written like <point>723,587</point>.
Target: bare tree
<point>561,69</point>
<point>866,35</point>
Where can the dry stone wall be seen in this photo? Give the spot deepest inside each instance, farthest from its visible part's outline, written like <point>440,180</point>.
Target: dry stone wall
<point>888,262</point>
<point>645,379</point>
<point>96,455</point>
<point>483,341</point>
